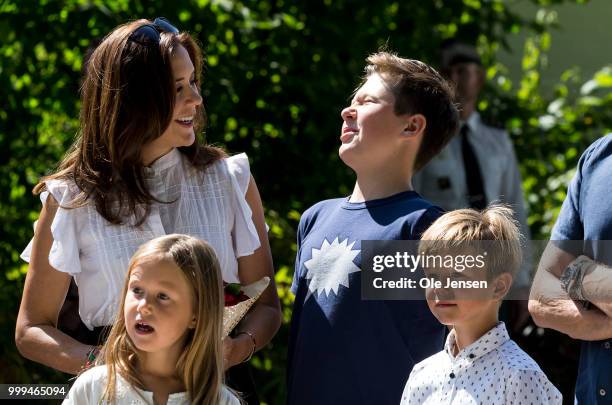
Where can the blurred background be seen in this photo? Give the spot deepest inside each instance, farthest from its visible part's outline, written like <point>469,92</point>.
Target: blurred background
<point>278,74</point>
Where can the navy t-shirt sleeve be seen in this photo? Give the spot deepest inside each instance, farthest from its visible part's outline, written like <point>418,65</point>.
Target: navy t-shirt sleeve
<point>296,271</point>
<point>304,220</point>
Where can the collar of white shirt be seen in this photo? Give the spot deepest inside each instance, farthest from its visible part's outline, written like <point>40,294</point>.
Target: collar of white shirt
<point>164,162</point>
<point>488,342</point>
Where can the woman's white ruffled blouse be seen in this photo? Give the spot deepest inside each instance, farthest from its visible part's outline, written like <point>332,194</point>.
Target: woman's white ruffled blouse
<point>208,204</point>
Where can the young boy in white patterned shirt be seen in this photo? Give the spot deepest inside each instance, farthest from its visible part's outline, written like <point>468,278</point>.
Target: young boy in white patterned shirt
<point>479,363</point>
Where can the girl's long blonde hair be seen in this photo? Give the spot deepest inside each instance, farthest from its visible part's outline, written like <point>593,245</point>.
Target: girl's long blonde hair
<point>200,364</point>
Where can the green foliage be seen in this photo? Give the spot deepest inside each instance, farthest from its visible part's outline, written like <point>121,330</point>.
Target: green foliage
<point>278,74</point>
<point>549,134</point>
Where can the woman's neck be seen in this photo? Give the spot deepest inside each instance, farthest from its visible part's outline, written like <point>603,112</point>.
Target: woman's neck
<point>150,155</point>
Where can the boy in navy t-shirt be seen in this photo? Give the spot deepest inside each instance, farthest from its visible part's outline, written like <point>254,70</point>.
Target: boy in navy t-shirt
<point>344,349</point>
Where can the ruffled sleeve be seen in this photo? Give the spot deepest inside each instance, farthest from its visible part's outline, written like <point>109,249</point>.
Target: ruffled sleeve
<point>245,237</point>
<point>64,253</point>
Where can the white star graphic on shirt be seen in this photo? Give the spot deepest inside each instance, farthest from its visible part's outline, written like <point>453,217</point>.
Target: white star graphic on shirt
<point>330,266</point>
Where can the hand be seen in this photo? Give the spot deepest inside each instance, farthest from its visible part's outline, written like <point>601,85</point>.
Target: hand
<point>236,350</point>
<point>228,349</point>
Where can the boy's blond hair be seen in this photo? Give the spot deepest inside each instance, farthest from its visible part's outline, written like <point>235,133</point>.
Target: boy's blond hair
<point>493,230</point>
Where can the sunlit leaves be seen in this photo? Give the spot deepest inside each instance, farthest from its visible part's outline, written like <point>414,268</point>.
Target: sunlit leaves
<point>277,75</point>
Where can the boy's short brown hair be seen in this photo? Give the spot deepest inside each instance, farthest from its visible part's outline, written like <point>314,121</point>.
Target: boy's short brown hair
<point>419,89</point>
<point>494,229</point>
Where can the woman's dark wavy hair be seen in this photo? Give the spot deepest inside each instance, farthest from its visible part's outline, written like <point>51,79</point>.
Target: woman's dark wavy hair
<point>128,95</point>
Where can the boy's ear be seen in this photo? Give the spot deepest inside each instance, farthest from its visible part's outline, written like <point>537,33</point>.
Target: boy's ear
<point>415,125</point>
<point>501,285</point>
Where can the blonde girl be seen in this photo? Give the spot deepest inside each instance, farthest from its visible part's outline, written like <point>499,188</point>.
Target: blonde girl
<point>165,345</point>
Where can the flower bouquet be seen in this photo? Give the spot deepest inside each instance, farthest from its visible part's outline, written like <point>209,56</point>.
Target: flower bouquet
<point>238,300</point>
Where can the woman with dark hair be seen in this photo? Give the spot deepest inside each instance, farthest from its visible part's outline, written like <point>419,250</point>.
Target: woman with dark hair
<point>136,172</point>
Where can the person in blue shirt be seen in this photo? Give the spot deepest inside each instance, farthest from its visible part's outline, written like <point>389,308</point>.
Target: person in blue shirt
<point>344,349</point>
<point>572,291</point>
